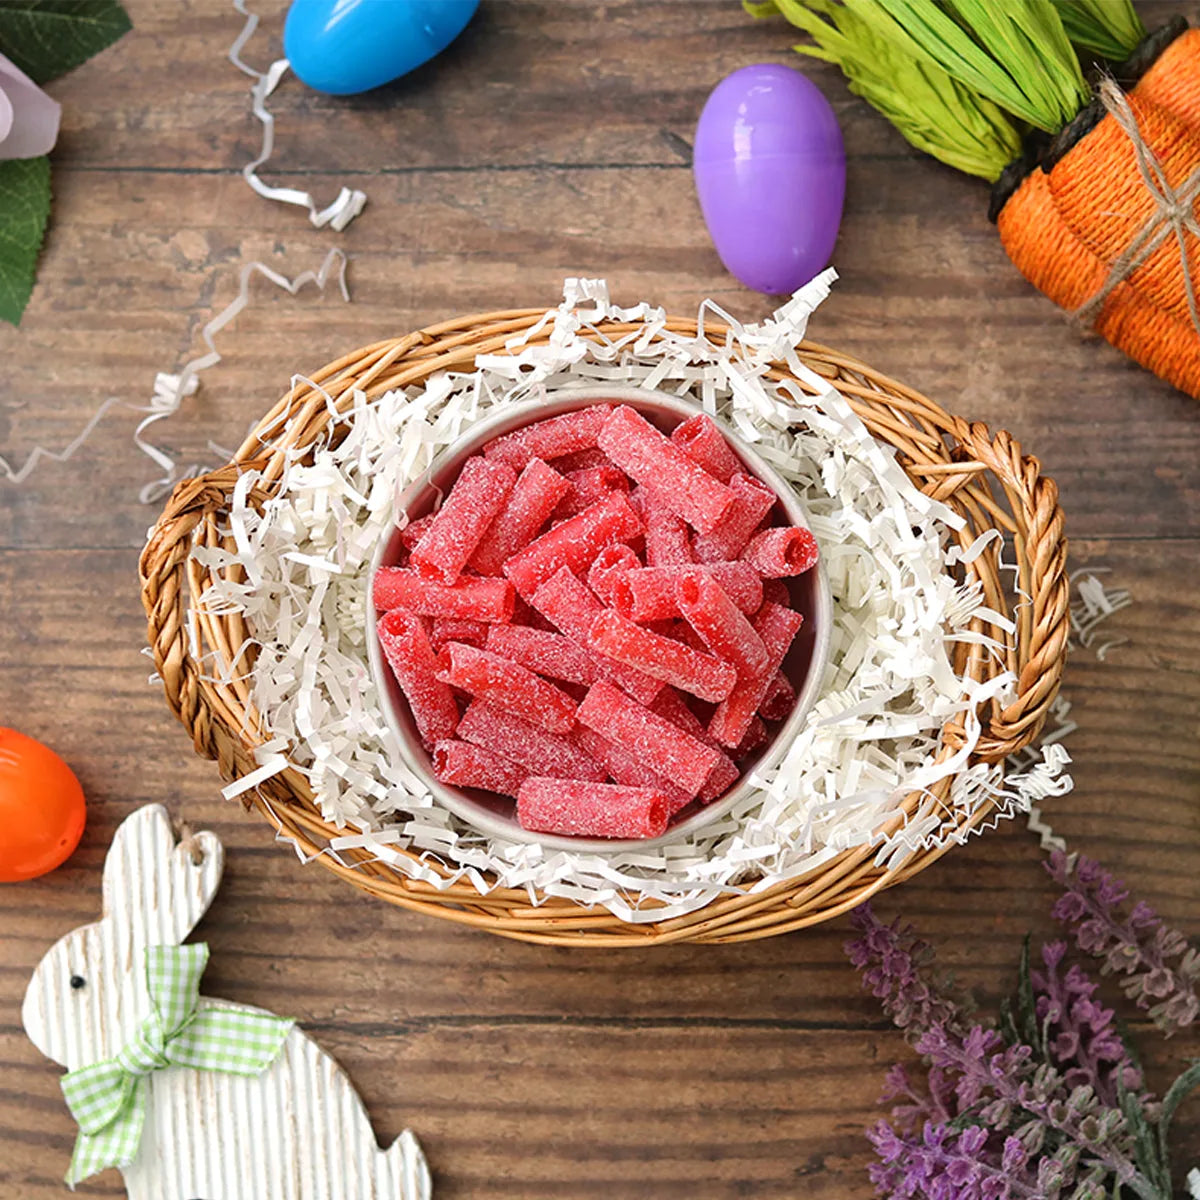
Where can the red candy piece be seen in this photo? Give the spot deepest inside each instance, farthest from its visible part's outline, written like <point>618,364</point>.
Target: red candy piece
<point>476,599</point>
<point>414,531</point>
<point>776,591</point>
<point>650,594</point>
<point>617,637</point>
<point>572,608</point>
<point>552,438</point>
<point>603,810</point>
<point>478,494</point>
<point>670,705</point>
<point>457,629</point>
<point>668,543</point>
<point>506,684</point>
<point>701,439</point>
<point>544,652</point>
<point>651,739</point>
<point>754,500</point>
<point>542,753</point>
<point>624,768</point>
<point>724,775</point>
<point>573,544</point>
<point>779,700</point>
<point>707,608</point>
<point>534,497</point>
<point>408,652</point>
<point>589,485</point>
<point>610,562</point>
<point>777,626</point>
<point>580,460</point>
<point>755,737</point>
<point>465,765</point>
<point>775,553</point>
<point>663,469</point>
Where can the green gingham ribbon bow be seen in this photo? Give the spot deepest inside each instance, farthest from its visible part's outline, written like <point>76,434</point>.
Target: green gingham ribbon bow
<point>108,1099</point>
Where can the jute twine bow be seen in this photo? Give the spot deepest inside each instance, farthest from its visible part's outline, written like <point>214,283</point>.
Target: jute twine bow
<point>1174,213</point>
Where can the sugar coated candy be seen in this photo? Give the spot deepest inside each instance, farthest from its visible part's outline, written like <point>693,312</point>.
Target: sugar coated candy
<point>541,752</point>
<point>671,477</point>
<point>552,438</point>
<point>534,497</point>
<point>668,542</point>
<point>660,657</point>
<point>652,593</point>
<point>702,440</point>
<point>608,565</point>
<point>478,494</point>
<point>567,603</point>
<point>405,642</point>
<point>465,765</point>
<point>753,500</point>
<point>776,626</point>
<point>775,553</point>
<point>506,684</point>
<point>472,597</point>
<point>595,621</point>
<point>648,737</point>
<point>543,651</point>
<point>602,810</point>
<point>722,626</point>
<point>574,543</point>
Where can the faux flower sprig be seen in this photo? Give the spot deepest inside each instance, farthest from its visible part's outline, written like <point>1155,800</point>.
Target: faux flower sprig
<point>39,40</point>
<point>1049,1103</point>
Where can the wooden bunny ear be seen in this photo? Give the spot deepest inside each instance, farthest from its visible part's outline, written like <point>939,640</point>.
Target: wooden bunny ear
<point>156,890</point>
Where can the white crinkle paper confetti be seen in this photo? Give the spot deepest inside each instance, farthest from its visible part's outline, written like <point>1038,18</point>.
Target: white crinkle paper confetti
<point>871,740</point>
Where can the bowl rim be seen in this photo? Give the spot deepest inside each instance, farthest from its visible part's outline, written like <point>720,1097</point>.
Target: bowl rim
<point>555,401</point>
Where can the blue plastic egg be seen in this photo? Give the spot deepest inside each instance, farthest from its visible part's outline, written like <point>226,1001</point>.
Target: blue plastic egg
<point>348,46</point>
<point>770,172</point>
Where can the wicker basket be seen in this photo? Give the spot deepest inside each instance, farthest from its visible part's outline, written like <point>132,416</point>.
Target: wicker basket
<point>983,477</point>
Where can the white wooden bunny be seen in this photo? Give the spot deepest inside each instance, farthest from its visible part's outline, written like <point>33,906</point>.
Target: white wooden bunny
<point>297,1131</point>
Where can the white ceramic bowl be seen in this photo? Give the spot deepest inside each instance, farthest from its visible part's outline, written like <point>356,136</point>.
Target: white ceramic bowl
<point>804,666</point>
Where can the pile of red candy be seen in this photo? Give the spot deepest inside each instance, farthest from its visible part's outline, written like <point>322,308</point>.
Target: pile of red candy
<point>595,620</point>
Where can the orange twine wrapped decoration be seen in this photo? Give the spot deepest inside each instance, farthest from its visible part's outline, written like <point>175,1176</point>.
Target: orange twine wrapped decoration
<point>1108,229</point>
<point>1097,205</point>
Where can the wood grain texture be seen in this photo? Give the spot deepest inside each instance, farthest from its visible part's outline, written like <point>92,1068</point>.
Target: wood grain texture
<point>551,140</point>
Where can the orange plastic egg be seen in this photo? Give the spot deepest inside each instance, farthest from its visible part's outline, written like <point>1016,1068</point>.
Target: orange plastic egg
<point>41,808</point>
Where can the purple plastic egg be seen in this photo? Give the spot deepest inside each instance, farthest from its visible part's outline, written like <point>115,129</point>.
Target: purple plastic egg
<point>770,171</point>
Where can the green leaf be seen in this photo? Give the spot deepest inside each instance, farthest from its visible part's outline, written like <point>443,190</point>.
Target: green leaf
<point>48,38</point>
<point>933,111</point>
<point>1110,28</point>
<point>24,207</point>
<point>1176,1093</point>
<point>1150,1163</point>
<point>1026,1010</point>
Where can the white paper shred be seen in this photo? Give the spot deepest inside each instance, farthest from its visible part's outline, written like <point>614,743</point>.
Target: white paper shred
<point>870,740</point>
<point>170,390</point>
<point>349,202</point>
<point>1094,604</point>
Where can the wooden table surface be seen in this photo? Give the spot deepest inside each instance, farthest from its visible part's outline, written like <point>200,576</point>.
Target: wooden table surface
<point>551,140</point>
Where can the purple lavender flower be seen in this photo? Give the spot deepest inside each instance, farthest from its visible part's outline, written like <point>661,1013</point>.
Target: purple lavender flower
<point>895,967</point>
<point>1138,946</point>
<point>943,1165</point>
<point>1081,1034</point>
<point>1004,1085</point>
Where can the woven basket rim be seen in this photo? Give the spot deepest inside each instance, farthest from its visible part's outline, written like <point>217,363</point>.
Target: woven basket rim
<point>983,476</point>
